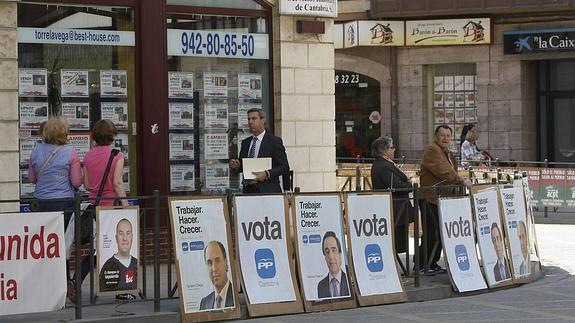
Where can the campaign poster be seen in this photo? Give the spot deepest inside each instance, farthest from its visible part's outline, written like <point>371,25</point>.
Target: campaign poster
<point>26,186</point>
<point>552,185</point>
<point>263,253</point>
<point>203,255</point>
<point>113,83</point>
<point>217,176</point>
<point>249,86</point>
<point>74,83</point>
<point>180,85</point>
<point>181,146</point>
<point>216,116</point>
<point>215,84</point>
<point>456,224</point>
<point>534,180</point>
<point>182,178</point>
<point>32,82</point>
<point>117,112</point>
<point>181,115</point>
<point>243,109</point>
<point>32,114</point>
<point>570,188</point>
<point>515,212</point>
<point>77,114</point>
<point>321,245</point>
<point>26,147</point>
<point>33,271</point>
<point>371,239</point>
<point>80,142</point>
<point>490,236</point>
<point>121,143</point>
<point>118,246</point>
<point>216,146</point>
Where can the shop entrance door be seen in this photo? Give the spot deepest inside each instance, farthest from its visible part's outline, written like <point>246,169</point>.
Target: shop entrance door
<point>557,110</point>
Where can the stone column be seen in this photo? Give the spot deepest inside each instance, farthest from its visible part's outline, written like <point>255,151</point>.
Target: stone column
<point>305,101</point>
<point>9,157</point>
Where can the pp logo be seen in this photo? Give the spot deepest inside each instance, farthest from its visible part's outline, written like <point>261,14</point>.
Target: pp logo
<point>265,263</point>
<point>461,257</point>
<point>185,246</point>
<point>373,258</point>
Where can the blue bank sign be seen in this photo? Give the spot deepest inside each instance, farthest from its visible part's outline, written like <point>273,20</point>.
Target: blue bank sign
<point>544,40</point>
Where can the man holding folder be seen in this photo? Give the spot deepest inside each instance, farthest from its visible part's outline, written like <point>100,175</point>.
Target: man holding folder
<point>263,157</point>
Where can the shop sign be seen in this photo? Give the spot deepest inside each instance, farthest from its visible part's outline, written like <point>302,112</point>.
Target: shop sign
<point>76,37</point>
<point>201,43</point>
<point>381,33</point>
<point>531,41</point>
<point>315,8</point>
<point>476,31</point>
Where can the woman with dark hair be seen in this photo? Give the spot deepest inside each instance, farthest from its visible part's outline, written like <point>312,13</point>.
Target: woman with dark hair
<point>386,175</point>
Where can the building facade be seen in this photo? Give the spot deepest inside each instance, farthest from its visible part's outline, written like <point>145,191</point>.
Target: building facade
<point>520,98</point>
<point>177,77</point>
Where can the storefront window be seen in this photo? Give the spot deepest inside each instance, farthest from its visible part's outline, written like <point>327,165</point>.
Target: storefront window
<point>78,62</point>
<point>218,69</point>
<point>358,117</point>
<point>454,98</point>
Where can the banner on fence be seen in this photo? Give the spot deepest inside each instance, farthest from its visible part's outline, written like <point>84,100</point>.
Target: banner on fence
<point>570,188</point>
<point>490,236</point>
<point>459,244</point>
<point>321,248</point>
<point>118,246</point>
<point>552,186</point>
<point>514,210</point>
<point>371,231</point>
<point>32,263</point>
<point>204,258</point>
<point>265,260</point>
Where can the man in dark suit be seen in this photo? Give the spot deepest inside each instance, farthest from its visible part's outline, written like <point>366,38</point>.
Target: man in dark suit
<point>335,283</point>
<point>217,262</point>
<point>260,145</point>
<point>501,268</point>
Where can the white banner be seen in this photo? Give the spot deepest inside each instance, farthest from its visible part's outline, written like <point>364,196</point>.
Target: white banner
<point>118,249</point>
<point>263,251</point>
<point>490,236</point>
<point>514,209</point>
<point>32,263</point>
<point>76,37</point>
<point>321,244</point>
<point>372,244</point>
<point>204,43</point>
<point>459,244</point>
<point>315,8</point>
<point>202,252</point>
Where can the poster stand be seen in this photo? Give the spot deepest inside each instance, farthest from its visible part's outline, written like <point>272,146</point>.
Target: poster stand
<point>217,315</point>
<point>276,308</point>
<point>324,305</point>
<point>474,190</point>
<point>382,298</point>
<point>99,243</point>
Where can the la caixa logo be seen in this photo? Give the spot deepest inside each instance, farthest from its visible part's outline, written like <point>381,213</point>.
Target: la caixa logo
<point>461,257</point>
<point>373,258</point>
<point>265,263</point>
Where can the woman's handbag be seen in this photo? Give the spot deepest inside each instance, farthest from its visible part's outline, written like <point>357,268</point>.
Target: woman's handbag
<point>89,214</point>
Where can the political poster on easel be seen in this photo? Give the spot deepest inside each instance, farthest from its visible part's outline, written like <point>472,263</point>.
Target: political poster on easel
<point>321,252</point>
<point>515,217</point>
<point>456,222</point>
<point>266,256</point>
<point>533,245</point>
<point>373,261</point>
<point>205,260</point>
<point>491,236</point>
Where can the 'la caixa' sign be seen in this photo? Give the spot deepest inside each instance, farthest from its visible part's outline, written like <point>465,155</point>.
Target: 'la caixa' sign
<point>533,41</point>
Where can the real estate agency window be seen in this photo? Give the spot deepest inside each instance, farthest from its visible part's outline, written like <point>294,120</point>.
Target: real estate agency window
<point>76,61</point>
<point>454,98</point>
<point>218,69</point>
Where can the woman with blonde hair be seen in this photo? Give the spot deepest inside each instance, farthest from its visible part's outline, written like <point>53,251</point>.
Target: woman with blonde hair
<point>469,151</point>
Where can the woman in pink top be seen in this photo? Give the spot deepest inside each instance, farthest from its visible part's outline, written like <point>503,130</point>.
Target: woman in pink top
<point>95,162</point>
